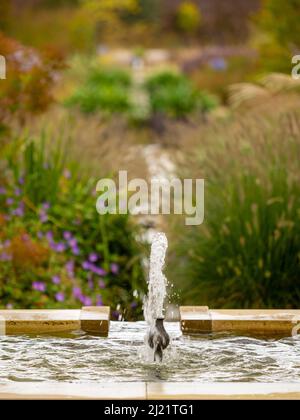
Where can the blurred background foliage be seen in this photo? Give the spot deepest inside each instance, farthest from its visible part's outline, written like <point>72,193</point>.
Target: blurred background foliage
<point>194,88</point>
<point>246,253</point>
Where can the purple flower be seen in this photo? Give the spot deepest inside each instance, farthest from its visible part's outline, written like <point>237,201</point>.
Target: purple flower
<point>19,212</point>
<point>114,268</point>
<point>9,201</point>
<point>43,216</point>
<point>70,268</point>
<point>86,301</point>
<point>115,314</point>
<point>4,256</point>
<point>2,191</point>
<point>75,250</point>
<point>40,234</point>
<point>77,293</point>
<point>46,206</point>
<point>101,284</point>
<point>99,301</point>
<point>59,247</point>
<point>39,286</point>
<point>86,265</point>
<point>21,180</point>
<point>59,296</point>
<point>93,257</point>
<point>133,305</point>
<point>218,64</point>
<point>97,270</point>
<point>18,192</point>
<point>6,243</point>
<point>90,283</point>
<point>67,235</point>
<point>55,279</point>
<point>72,242</point>
<point>9,306</point>
<point>49,236</point>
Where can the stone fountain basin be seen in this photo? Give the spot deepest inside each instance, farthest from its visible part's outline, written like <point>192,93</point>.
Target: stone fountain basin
<point>89,367</point>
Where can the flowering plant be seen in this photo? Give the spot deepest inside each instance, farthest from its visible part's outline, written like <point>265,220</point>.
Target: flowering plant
<point>55,249</point>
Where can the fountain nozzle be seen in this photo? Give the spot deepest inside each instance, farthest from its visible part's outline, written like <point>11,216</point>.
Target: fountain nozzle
<point>158,339</point>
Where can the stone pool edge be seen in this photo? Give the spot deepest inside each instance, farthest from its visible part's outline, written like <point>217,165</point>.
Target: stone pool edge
<point>91,319</point>
<point>265,322</point>
<point>151,391</point>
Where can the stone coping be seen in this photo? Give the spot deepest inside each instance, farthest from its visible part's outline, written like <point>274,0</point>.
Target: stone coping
<point>267,322</point>
<point>150,390</point>
<point>91,319</point>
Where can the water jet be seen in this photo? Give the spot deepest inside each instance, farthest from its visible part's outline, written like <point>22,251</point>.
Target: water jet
<point>157,337</point>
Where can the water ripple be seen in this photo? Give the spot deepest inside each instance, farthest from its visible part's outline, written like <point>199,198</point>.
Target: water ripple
<point>120,357</point>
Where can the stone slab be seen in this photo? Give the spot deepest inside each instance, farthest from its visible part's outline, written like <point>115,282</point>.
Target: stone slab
<point>39,321</point>
<point>267,322</point>
<point>70,391</point>
<point>95,319</point>
<point>150,391</point>
<point>195,319</point>
<point>225,390</point>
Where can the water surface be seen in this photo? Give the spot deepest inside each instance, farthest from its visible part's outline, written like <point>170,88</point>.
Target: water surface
<point>81,358</point>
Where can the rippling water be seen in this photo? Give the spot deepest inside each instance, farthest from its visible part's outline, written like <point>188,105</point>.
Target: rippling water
<point>120,357</point>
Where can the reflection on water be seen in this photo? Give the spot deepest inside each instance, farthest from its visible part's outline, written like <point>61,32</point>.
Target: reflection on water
<point>120,357</point>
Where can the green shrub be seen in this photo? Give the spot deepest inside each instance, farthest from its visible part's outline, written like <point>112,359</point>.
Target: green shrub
<point>188,17</point>
<point>55,249</point>
<point>246,253</point>
<point>109,77</point>
<point>173,94</point>
<point>104,90</point>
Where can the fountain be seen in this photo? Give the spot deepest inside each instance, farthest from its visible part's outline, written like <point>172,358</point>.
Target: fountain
<point>157,338</point>
<point>60,354</point>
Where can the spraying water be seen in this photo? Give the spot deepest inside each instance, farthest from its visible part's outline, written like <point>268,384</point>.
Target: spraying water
<point>157,337</point>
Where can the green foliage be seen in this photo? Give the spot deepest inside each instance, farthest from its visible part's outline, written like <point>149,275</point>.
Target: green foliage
<point>279,38</point>
<point>206,101</point>
<point>174,95</point>
<point>280,20</point>
<point>43,169</point>
<point>55,249</point>
<point>188,17</point>
<point>149,10</point>
<point>105,90</point>
<point>5,14</point>
<point>246,253</point>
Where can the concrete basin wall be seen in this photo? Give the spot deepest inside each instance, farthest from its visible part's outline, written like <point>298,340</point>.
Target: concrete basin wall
<point>266,322</point>
<point>91,319</point>
<point>151,391</point>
